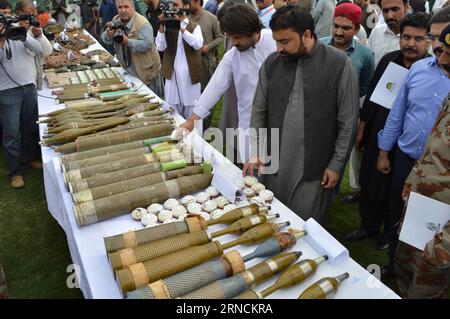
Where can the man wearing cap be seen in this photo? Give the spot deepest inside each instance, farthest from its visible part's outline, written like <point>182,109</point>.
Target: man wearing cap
<point>375,186</point>
<point>408,125</point>
<point>426,274</point>
<point>346,24</point>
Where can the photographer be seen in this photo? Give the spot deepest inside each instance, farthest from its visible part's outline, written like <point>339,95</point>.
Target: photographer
<point>29,129</point>
<point>132,36</point>
<point>17,91</point>
<point>182,64</point>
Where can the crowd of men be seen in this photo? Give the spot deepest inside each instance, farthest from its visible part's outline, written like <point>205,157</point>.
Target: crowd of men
<point>304,71</point>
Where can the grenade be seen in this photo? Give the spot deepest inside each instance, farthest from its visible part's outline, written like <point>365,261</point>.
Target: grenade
<point>237,214</point>
<point>292,276</point>
<point>325,288</point>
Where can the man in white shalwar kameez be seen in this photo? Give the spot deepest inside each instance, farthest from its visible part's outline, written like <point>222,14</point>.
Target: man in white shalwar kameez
<point>240,65</point>
<point>181,67</point>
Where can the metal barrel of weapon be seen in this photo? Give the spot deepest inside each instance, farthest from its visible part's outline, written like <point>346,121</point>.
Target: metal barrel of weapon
<point>131,184</point>
<point>104,208</point>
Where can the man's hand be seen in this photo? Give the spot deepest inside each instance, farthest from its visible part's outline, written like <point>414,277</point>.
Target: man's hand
<point>330,178</point>
<point>250,166</point>
<point>109,30</point>
<point>205,49</point>
<point>37,32</point>
<point>383,163</point>
<point>406,191</point>
<point>359,135</point>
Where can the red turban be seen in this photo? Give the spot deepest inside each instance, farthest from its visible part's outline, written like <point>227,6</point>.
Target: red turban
<point>349,10</point>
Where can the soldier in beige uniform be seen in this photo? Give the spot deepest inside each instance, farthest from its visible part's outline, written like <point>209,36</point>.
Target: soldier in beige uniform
<point>3,288</point>
<point>426,274</point>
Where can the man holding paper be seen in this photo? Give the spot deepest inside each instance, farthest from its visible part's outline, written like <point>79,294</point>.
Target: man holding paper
<point>426,274</point>
<point>375,186</point>
<point>410,122</point>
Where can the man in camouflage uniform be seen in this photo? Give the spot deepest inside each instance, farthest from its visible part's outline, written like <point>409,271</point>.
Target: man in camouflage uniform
<point>426,274</point>
<point>2,283</point>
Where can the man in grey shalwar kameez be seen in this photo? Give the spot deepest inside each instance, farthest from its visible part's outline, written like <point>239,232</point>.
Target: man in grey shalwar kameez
<point>310,92</point>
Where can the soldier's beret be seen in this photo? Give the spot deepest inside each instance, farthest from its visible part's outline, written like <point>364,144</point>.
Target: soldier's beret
<point>445,36</point>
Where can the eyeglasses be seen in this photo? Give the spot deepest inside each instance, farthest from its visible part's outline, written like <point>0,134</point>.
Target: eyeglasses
<point>431,37</point>
<point>417,39</point>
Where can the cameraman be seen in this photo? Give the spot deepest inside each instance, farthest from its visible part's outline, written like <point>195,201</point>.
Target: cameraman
<point>182,62</point>
<point>31,151</point>
<point>137,52</point>
<point>17,91</point>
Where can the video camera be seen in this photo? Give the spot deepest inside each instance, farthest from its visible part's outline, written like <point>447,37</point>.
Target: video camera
<point>120,30</point>
<point>170,13</point>
<point>30,18</point>
<point>12,29</point>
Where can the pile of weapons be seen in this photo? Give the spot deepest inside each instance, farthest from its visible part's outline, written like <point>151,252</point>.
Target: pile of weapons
<point>114,173</point>
<point>63,58</point>
<point>181,260</point>
<point>115,114</point>
<point>80,74</point>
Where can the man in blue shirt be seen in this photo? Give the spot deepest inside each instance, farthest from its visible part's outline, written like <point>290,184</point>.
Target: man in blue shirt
<point>212,6</point>
<point>265,11</point>
<point>410,122</point>
<point>108,11</point>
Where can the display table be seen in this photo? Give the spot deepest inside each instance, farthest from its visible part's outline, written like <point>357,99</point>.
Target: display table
<point>86,245</point>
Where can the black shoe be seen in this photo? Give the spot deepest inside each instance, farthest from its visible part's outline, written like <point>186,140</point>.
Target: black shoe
<point>383,243</point>
<point>353,197</point>
<point>387,272</point>
<point>359,234</point>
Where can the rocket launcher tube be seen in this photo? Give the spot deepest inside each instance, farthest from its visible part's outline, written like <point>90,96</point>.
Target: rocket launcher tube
<point>117,165</point>
<point>130,256</point>
<point>192,223</point>
<point>131,184</point>
<point>230,287</point>
<point>105,208</point>
<point>78,185</point>
<point>229,264</point>
<point>237,214</point>
<point>324,288</point>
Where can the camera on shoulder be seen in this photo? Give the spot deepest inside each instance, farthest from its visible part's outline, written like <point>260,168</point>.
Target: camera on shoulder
<point>170,12</point>
<point>12,30</point>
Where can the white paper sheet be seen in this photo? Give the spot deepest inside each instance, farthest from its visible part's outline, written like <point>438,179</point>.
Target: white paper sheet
<point>387,89</point>
<point>324,243</point>
<point>423,219</point>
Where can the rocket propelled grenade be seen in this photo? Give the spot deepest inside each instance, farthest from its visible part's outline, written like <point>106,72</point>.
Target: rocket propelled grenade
<point>141,274</point>
<point>228,265</point>
<point>230,287</point>
<point>325,288</point>
<point>130,256</point>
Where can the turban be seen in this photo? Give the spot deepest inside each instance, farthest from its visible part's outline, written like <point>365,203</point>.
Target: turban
<point>350,11</point>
